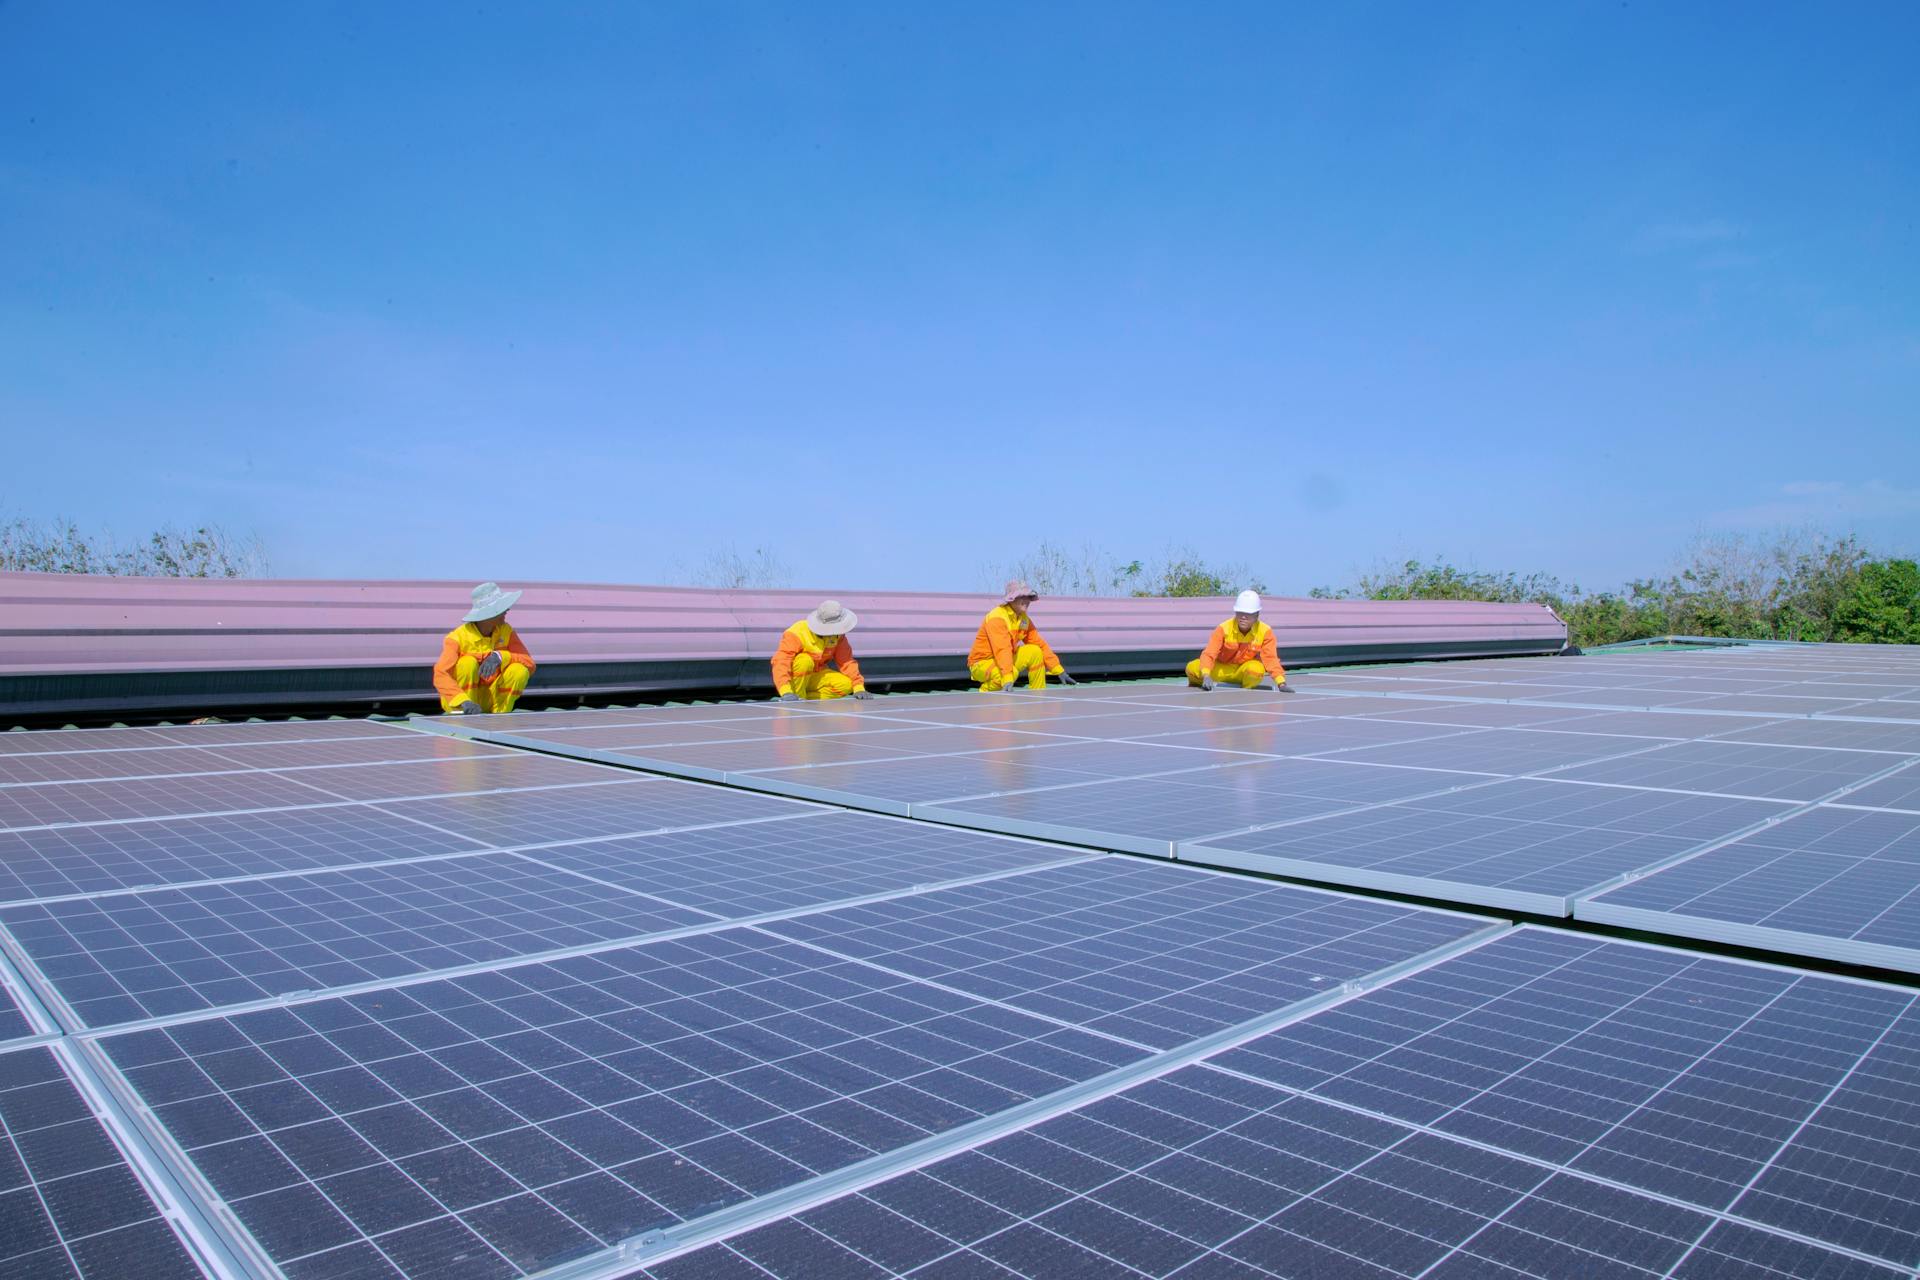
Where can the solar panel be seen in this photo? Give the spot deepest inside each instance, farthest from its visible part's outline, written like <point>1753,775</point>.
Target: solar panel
<point>504,1122</point>
<point>1141,951</point>
<point>171,761</point>
<point>47,741</point>
<point>1144,816</point>
<point>1857,734</point>
<point>20,1015</point>
<point>63,803</point>
<point>761,868</point>
<point>893,786</point>
<point>1516,845</point>
<point>1541,1105</point>
<point>451,777</point>
<point>559,814</point>
<point>1739,769</point>
<point>71,1204</point>
<point>115,857</point>
<point>1771,1096</point>
<point>1900,791</point>
<point>1506,751</point>
<point>130,957</point>
<point>1833,882</point>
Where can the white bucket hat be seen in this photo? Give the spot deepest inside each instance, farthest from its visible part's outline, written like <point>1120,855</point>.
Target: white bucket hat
<point>489,601</point>
<point>832,619</point>
<point>1247,602</point>
<point>1018,589</point>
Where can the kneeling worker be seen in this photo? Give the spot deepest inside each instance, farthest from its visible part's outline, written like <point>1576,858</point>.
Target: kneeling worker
<point>1242,651</point>
<point>484,665</point>
<point>809,647</point>
<point>1007,646</point>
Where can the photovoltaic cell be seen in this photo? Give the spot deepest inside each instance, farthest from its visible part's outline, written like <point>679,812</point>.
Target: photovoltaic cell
<point>1505,751</point>
<point>892,786</point>
<point>762,867</point>
<point>1143,951</point>
<point>506,818</point>
<point>1901,791</point>
<point>92,766</point>
<point>1147,816</point>
<point>1204,1175</point>
<point>1737,768</point>
<point>452,777</point>
<point>59,803</point>
<point>63,740</point>
<point>1519,845</point>
<point>134,956</point>
<point>1776,1096</point>
<point>116,857</point>
<point>70,1204</point>
<point>1834,882</point>
<point>522,1117</point>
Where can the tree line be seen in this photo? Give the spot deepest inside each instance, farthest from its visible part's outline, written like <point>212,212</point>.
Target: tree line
<point>1789,587</point>
<point>61,546</point>
<point>1793,586</point>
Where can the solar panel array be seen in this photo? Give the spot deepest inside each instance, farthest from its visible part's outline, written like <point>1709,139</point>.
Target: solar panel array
<point>318,1001</point>
<point>1753,796</point>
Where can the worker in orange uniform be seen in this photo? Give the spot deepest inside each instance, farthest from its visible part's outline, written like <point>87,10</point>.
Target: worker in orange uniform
<point>484,665</point>
<point>1242,651</point>
<point>809,647</point>
<point>1007,646</point>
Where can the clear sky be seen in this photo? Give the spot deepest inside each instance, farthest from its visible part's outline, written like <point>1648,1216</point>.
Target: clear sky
<point>578,291</point>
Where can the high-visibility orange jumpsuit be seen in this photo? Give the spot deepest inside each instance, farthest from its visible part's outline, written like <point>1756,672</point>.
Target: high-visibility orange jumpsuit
<point>800,664</point>
<point>1239,657</point>
<point>1006,645</point>
<point>456,677</point>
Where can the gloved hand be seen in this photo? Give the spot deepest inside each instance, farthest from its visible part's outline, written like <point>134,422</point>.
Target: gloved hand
<point>861,695</point>
<point>490,665</point>
<point>1064,678</point>
<point>1206,684</point>
<point>469,709</point>
<point>787,697</point>
<point>1283,688</point>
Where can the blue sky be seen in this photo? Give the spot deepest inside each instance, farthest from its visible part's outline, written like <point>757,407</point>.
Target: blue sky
<point>585,292</point>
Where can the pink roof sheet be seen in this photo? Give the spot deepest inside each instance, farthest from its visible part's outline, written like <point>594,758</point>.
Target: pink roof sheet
<point>55,623</point>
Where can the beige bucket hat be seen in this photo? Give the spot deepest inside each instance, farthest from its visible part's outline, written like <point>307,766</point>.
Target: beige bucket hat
<point>489,601</point>
<point>832,619</point>
<point>1018,589</point>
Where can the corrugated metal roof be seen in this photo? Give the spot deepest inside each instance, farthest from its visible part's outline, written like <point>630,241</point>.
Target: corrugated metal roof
<point>61,623</point>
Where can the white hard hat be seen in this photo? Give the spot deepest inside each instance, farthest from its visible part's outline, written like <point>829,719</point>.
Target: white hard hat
<point>1247,602</point>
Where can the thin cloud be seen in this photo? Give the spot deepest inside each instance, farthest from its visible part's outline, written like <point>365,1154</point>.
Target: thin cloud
<point>1800,502</point>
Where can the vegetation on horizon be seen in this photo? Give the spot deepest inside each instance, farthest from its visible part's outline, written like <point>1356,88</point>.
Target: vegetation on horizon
<point>60,546</point>
<point>1791,587</point>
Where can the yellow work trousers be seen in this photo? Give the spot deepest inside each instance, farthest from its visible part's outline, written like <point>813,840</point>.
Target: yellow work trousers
<point>811,682</point>
<point>495,695</point>
<point>1027,658</point>
<point>1244,674</point>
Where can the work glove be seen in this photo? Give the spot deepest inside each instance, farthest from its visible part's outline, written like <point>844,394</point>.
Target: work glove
<point>1283,688</point>
<point>469,709</point>
<point>490,665</point>
<point>787,697</point>
<point>1064,678</point>
<point>861,695</point>
<point>1206,684</point>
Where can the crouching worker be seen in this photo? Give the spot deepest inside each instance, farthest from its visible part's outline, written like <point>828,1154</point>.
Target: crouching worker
<point>1008,646</point>
<point>812,645</point>
<point>484,665</point>
<point>1242,651</point>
